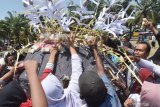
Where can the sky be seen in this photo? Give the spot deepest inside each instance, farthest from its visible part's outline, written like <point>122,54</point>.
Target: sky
<point>10,5</point>
<point>13,5</point>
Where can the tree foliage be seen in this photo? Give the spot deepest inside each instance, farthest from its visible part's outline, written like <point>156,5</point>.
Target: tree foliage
<point>15,28</point>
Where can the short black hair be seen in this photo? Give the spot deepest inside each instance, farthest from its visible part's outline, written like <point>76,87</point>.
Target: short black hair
<point>12,53</point>
<point>147,44</point>
<point>92,88</point>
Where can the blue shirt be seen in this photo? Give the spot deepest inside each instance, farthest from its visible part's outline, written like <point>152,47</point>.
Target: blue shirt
<point>112,99</point>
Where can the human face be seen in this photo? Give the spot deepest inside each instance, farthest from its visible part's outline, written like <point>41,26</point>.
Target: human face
<point>11,60</point>
<point>140,50</point>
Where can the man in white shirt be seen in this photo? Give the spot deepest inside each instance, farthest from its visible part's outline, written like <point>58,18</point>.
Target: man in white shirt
<point>56,95</point>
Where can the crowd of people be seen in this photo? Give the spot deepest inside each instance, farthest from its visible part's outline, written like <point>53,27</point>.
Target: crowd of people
<point>83,87</point>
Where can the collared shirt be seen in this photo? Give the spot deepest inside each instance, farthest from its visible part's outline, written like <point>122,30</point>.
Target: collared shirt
<point>69,97</point>
<point>112,99</point>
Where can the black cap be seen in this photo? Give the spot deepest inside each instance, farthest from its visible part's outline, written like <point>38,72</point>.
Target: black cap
<point>92,88</point>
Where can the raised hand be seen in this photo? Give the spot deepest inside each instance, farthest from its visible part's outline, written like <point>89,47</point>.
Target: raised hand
<point>92,41</point>
<point>37,93</point>
<point>30,66</point>
<point>53,50</point>
<point>147,23</point>
<point>129,102</point>
<point>71,39</point>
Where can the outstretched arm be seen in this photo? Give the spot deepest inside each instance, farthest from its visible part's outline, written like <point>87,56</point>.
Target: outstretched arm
<point>76,65</point>
<point>146,64</point>
<point>118,82</point>
<point>149,25</point>
<point>99,64</point>
<point>151,66</point>
<point>10,74</point>
<point>71,44</point>
<point>49,66</point>
<point>156,33</point>
<point>153,29</point>
<point>37,92</point>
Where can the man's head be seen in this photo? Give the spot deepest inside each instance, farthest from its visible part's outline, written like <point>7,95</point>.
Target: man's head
<point>92,88</point>
<point>10,59</point>
<point>142,50</point>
